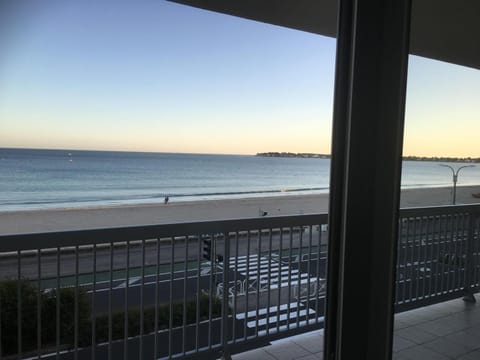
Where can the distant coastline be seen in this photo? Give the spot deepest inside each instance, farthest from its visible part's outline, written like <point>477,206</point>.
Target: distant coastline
<point>293,155</point>
<point>408,158</point>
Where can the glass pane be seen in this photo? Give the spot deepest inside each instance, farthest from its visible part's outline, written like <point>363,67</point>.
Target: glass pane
<point>135,118</point>
<point>438,244</point>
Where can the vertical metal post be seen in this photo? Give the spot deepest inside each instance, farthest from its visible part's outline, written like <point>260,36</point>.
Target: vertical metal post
<point>76,310</point>
<point>110,290</point>
<point>57,308</point>
<point>469,266</point>
<point>235,291</point>
<point>197,315</point>
<point>279,279</point>
<point>157,278</point>
<point>184,314</point>
<point>371,72</point>
<point>94,286</point>
<point>142,301</point>
<point>269,282</point>
<point>19,305</point>
<point>319,245</point>
<point>225,306</point>
<point>1,337</point>
<point>247,287</point>
<point>125,310</point>
<point>170,311</point>
<point>39,305</point>
<point>257,306</point>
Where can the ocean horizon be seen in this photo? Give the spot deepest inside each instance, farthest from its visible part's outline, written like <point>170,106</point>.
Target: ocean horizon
<point>34,179</point>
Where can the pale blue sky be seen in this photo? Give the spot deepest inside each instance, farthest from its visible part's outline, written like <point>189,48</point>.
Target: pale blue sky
<point>155,76</point>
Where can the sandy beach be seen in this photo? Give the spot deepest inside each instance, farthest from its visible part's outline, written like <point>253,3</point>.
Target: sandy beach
<point>90,218</point>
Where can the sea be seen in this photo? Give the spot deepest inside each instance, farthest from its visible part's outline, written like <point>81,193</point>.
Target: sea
<point>33,179</point>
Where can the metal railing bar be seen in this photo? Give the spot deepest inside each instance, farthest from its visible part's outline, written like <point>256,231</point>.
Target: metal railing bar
<point>197,314</point>
<point>1,334</point>
<point>94,286</point>
<point>235,292</point>
<point>415,255</point>
<point>449,262</point>
<point>411,248</point>
<point>290,276</point>
<point>443,245</point>
<point>437,256</point>
<point>475,250</point>
<point>247,286</point>
<point>225,305</point>
<point>39,305</point>
<point>431,243</point>
<point>170,314</point>
<point>417,252</point>
<point>142,307</point>
<point>433,256</point>
<point>318,269</point>
<point>269,278</point>
<point>458,251</point>
<point>11,243</point>
<point>19,304</point>
<point>125,310</point>
<point>213,278</point>
<point>300,248</point>
<point>185,277</point>
<point>75,354</point>
<point>157,277</point>
<point>453,259</point>
<point>57,310</point>
<point>438,210</point>
<point>308,272</point>
<point>400,295</point>
<point>423,246</point>
<point>110,288</point>
<point>259,249</point>
<point>465,251</point>
<point>279,290</point>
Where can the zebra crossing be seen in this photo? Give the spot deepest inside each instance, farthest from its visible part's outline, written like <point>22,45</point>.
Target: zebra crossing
<point>270,273</point>
<point>279,317</point>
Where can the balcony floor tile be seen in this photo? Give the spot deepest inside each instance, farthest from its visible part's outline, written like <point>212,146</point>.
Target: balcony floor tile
<point>445,331</point>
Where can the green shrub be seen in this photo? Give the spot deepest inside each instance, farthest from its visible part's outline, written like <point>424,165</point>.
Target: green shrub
<point>118,326</point>
<point>9,290</point>
<point>9,315</point>
<point>48,304</point>
<point>67,316</point>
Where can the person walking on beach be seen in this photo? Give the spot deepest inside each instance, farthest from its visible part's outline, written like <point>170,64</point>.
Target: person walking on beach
<point>166,200</point>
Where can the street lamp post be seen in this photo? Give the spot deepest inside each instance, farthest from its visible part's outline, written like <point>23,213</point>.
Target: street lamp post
<point>455,178</point>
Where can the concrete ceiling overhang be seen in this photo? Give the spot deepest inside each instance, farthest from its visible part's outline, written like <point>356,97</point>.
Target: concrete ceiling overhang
<point>443,30</point>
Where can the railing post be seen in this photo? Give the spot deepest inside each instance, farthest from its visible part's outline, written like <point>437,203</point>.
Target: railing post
<point>469,265</point>
<point>225,306</point>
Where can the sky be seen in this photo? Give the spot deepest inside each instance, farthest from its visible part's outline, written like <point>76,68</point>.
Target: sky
<point>149,75</point>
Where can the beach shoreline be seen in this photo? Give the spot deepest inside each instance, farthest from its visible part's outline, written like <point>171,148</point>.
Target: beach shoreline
<point>31,221</point>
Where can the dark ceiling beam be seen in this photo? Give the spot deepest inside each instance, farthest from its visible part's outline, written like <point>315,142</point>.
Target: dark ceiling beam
<point>440,29</point>
<point>318,17</point>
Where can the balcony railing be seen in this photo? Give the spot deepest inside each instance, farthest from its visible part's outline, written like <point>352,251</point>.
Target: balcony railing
<point>199,289</point>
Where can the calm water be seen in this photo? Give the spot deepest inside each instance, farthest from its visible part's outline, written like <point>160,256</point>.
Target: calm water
<point>39,179</point>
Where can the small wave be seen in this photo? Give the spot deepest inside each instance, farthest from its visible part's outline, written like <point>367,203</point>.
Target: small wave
<point>144,198</point>
<point>250,192</point>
